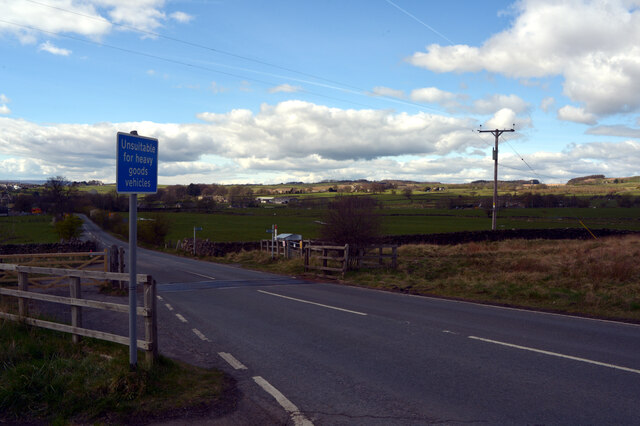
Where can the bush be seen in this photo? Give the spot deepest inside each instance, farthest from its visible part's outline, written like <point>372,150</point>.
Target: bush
<point>153,231</point>
<point>69,228</point>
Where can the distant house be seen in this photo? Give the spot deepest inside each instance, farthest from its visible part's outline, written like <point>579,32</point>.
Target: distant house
<point>284,200</point>
<point>265,200</point>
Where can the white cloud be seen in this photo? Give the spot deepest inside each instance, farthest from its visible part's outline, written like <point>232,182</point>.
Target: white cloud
<point>576,114</point>
<point>216,88</point>
<point>91,18</point>
<point>618,130</point>
<point>285,88</point>
<point>494,103</point>
<point>181,17</point>
<point>506,119</point>
<point>4,100</point>
<point>594,45</point>
<point>388,92</point>
<point>547,104</point>
<point>432,95</point>
<point>297,140</point>
<point>54,50</point>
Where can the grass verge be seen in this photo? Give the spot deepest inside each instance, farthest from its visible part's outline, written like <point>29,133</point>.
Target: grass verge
<point>587,277</point>
<point>44,377</point>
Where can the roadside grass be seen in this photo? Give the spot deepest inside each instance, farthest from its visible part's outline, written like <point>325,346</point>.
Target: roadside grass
<point>588,277</point>
<point>27,229</point>
<point>44,377</point>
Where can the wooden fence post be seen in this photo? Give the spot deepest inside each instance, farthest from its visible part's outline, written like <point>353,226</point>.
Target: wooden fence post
<point>121,264</point>
<point>394,259</point>
<point>380,261</point>
<point>23,284</point>
<point>151,321</point>
<point>76,311</point>
<point>345,264</point>
<point>307,255</point>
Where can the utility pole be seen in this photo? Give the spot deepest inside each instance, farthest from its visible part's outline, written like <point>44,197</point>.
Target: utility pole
<point>497,134</point>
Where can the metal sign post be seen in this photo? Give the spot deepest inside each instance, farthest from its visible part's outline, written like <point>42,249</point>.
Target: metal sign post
<point>136,173</point>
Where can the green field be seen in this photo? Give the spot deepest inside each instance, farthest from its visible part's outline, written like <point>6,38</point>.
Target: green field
<point>27,229</point>
<point>251,224</point>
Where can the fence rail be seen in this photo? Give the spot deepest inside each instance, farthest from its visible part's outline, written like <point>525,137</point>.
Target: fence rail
<point>339,262</point>
<point>148,312</point>
<point>76,261</point>
<point>375,256</point>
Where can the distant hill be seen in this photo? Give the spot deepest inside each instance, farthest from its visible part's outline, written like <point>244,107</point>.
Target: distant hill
<point>586,180</point>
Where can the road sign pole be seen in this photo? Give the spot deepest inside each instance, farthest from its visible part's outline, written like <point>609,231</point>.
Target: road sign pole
<point>133,243</point>
<point>136,173</point>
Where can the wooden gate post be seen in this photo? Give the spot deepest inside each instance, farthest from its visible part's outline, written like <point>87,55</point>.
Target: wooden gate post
<point>76,311</point>
<point>151,320</point>
<point>345,264</point>
<point>23,285</point>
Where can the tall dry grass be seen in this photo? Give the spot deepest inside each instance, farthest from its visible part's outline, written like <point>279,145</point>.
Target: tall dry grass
<point>594,277</point>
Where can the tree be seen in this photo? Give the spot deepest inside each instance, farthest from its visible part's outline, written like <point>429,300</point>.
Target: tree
<point>58,193</point>
<point>193,190</point>
<point>408,192</point>
<point>352,220</point>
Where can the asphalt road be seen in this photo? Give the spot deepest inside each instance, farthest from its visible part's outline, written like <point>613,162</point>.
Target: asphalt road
<point>331,354</point>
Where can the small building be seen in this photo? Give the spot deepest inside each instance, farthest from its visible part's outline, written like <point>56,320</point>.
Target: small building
<point>289,237</point>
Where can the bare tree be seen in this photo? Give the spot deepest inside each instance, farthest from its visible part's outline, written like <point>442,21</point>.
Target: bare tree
<point>352,220</point>
<point>58,193</point>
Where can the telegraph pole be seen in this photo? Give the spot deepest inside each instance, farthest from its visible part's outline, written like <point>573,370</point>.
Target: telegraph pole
<point>497,134</point>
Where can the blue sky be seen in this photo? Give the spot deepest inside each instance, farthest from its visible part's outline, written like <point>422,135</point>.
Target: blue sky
<point>267,92</point>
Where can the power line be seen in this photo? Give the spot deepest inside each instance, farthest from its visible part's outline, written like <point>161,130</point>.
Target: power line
<point>353,89</point>
<point>173,61</point>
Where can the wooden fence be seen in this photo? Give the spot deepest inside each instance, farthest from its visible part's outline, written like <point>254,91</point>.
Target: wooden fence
<point>376,256</point>
<point>331,259</point>
<point>76,261</point>
<point>148,312</point>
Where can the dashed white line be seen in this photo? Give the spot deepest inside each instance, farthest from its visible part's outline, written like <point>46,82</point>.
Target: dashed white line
<point>450,332</point>
<point>232,361</point>
<point>160,298</point>
<point>200,275</point>
<point>573,358</point>
<point>169,307</point>
<point>200,335</point>
<point>312,303</point>
<point>181,318</point>
<point>298,418</point>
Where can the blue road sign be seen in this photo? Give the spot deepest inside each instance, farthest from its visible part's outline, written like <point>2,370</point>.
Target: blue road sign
<point>136,164</point>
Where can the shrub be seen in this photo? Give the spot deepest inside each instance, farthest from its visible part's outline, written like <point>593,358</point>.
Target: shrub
<point>69,228</point>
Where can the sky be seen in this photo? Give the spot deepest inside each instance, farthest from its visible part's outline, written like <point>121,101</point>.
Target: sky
<point>248,91</point>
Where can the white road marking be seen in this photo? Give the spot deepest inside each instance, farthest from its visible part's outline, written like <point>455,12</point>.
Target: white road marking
<point>450,332</point>
<point>160,298</point>
<point>312,303</point>
<point>298,418</point>
<point>573,358</point>
<point>181,318</point>
<point>169,307</point>
<point>200,335</point>
<point>200,275</point>
<point>232,361</point>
